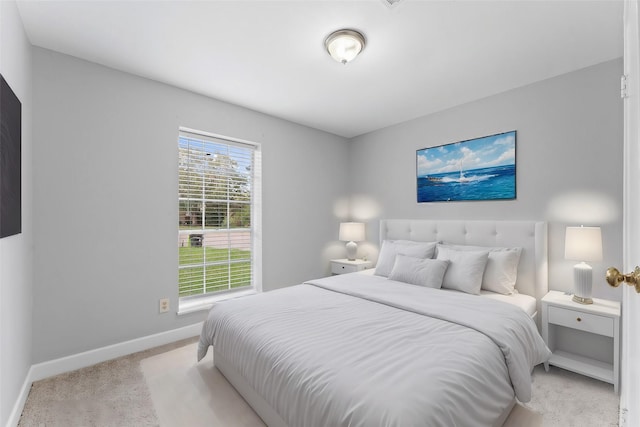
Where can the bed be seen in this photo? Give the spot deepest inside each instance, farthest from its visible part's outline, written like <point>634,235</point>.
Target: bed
<point>368,349</point>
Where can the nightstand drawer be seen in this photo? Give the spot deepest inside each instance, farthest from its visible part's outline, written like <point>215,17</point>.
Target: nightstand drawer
<point>337,268</point>
<point>593,323</point>
<point>342,266</point>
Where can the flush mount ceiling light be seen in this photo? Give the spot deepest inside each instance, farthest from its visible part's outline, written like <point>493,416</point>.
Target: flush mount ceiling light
<point>344,45</point>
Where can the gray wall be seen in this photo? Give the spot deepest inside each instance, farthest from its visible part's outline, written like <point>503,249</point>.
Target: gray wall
<point>105,190</point>
<point>569,156</point>
<point>16,252</point>
<point>105,163</point>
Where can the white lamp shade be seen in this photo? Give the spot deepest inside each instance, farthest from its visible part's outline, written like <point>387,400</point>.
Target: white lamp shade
<point>583,244</point>
<point>351,231</point>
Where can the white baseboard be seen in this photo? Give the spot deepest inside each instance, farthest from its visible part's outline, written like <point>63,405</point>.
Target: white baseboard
<point>14,417</point>
<point>44,370</point>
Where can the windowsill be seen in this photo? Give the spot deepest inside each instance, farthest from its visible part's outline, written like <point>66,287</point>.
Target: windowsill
<point>205,303</point>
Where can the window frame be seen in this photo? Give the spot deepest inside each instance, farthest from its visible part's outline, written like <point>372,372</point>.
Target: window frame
<point>191,303</point>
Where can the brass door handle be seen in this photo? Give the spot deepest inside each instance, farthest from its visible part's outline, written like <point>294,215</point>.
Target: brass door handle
<point>614,278</point>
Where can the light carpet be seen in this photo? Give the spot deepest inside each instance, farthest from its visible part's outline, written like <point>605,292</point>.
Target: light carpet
<point>167,387</point>
<point>112,393</point>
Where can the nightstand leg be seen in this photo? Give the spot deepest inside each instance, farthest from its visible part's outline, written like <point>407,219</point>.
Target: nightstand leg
<point>546,366</point>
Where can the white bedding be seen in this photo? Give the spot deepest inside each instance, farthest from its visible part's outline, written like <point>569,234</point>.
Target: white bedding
<point>525,302</point>
<point>357,350</point>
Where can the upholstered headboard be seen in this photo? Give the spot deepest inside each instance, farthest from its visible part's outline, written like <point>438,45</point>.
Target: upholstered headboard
<point>531,236</point>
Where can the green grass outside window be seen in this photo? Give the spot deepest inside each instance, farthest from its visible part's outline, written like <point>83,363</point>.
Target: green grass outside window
<point>191,279</point>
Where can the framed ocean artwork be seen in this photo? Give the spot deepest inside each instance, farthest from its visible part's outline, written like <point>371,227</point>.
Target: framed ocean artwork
<point>477,169</point>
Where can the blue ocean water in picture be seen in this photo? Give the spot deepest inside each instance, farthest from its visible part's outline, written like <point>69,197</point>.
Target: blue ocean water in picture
<point>476,184</point>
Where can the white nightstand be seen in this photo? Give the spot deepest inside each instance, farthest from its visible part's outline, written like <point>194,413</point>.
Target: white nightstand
<point>584,338</point>
<point>342,266</point>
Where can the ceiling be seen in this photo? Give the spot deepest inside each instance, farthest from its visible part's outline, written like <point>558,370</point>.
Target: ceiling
<point>421,56</point>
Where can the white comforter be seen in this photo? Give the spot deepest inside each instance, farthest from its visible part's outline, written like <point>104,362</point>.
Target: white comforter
<point>355,350</point>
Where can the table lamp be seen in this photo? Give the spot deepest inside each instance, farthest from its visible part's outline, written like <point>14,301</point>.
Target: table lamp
<point>351,232</point>
<point>583,244</point>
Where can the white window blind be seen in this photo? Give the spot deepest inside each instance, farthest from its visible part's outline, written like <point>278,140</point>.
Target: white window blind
<point>216,205</point>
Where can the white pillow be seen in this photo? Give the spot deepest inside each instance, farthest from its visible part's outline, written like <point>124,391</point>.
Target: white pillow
<point>501,272</point>
<point>465,269</point>
<point>419,271</point>
<point>390,248</point>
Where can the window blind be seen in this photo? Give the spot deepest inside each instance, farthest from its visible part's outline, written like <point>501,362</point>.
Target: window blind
<point>216,182</point>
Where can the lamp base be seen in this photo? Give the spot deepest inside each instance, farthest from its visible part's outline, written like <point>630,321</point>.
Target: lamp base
<point>582,283</point>
<point>582,300</point>
<point>352,249</point>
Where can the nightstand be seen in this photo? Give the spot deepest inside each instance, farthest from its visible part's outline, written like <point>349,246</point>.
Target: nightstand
<point>342,266</point>
<point>584,338</point>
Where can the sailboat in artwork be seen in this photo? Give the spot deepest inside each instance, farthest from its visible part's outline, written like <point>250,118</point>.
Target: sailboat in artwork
<point>462,177</point>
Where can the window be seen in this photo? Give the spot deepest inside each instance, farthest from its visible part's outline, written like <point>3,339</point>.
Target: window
<point>219,215</point>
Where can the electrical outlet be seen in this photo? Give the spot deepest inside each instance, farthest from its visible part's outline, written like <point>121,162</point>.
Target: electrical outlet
<point>164,305</point>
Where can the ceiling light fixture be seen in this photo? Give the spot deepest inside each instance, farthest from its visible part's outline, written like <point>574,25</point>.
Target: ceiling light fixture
<point>344,45</point>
